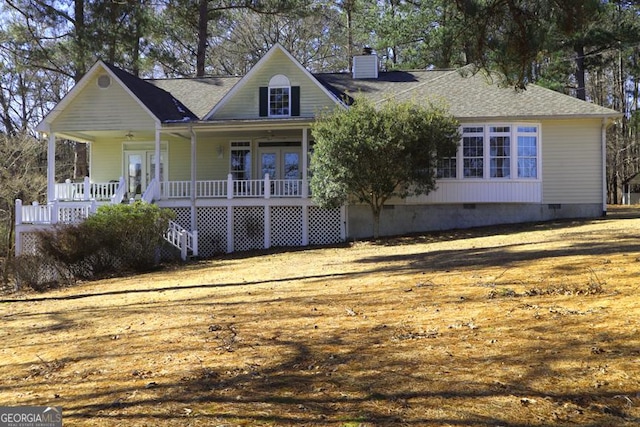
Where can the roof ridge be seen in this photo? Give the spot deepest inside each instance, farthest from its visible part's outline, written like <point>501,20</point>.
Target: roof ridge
<point>192,78</point>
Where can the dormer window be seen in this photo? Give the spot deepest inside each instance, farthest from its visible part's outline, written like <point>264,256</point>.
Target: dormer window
<point>279,99</point>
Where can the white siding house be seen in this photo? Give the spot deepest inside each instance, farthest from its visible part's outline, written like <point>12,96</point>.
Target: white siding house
<point>230,155</point>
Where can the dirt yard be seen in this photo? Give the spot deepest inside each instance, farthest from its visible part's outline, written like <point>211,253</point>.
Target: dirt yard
<point>532,325</point>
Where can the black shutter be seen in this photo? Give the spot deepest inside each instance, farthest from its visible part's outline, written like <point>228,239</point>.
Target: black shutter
<point>295,100</point>
<point>264,101</point>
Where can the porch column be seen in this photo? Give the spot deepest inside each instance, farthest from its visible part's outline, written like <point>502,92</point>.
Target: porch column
<point>51,168</point>
<point>230,227</point>
<point>267,226</point>
<point>158,163</point>
<point>194,213</point>
<point>305,225</point>
<point>305,162</point>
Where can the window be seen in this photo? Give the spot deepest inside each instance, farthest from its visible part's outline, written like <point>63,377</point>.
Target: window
<point>240,156</point>
<point>279,96</point>
<point>279,101</point>
<point>527,152</point>
<point>446,168</point>
<point>501,151</point>
<point>473,152</point>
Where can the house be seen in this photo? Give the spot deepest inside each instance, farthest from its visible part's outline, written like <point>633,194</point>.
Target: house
<point>230,155</point>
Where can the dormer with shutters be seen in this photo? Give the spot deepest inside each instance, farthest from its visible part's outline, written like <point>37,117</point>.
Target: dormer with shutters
<point>279,99</point>
<point>277,87</point>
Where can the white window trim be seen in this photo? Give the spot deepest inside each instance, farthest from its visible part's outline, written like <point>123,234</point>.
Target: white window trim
<point>237,145</point>
<point>269,101</point>
<point>513,132</point>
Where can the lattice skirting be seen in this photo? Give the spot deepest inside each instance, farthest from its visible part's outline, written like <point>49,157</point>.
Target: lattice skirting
<point>286,226</point>
<point>29,242</point>
<point>244,228</point>
<point>325,226</point>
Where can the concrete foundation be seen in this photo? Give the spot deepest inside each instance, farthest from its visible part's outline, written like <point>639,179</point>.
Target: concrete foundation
<point>407,219</point>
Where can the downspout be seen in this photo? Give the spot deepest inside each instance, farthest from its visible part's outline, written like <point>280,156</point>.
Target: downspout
<point>604,164</point>
<point>194,219</point>
<point>158,163</point>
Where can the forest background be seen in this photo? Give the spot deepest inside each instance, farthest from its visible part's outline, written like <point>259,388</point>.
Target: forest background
<point>589,49</point>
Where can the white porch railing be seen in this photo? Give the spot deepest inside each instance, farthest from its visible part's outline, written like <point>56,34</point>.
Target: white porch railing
<point>150,194</point>
<point>118,196</point>
<point>230,188</point>
<point>86,190</point>
<point>182,239</point>
<point>76,212</point>
<point>54,212</point>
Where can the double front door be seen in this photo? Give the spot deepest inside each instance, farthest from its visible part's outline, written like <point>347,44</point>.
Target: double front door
<point>140,169</point>
<point>284,166</point>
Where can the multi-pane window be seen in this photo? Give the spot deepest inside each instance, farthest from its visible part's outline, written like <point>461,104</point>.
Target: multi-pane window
<point>279,101</point>
<point>527,152</point>
<point>473,152</point>
<point>499,152</point>
<point>240,156</point>
<point>447,168</point>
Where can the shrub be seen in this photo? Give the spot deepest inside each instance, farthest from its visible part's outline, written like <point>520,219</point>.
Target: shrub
<point>115,240</point>
<point>134,232</point>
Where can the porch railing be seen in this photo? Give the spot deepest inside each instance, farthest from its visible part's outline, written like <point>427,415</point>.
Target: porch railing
<point>86,190</point>
<point>150,194</point>
<point>182,239</point>
<point>230,188</point>
<point>54,212</point>
<point>120,192</point>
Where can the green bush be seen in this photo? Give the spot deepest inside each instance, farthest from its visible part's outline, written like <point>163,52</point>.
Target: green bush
<point>134,232</point>
<point>115,240</point>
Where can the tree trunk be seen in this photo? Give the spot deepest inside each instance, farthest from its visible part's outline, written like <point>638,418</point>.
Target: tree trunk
<point>81,166</point>
<point>581,92</point>
<point>203,21</point>
<point>375,210</point>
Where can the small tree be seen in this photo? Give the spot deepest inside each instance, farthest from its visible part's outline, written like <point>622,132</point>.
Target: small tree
<point>374,152</point>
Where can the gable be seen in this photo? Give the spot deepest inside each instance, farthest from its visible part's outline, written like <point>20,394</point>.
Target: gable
<point>95,109</point>
<point>243,101</point>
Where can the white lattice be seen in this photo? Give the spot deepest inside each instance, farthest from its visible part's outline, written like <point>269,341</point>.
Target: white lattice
<point>183,217</point>
<point>286,226</point>
<point>324,226</point>
<point>29,243</point>
<point>212,231</point>
<point>248,228</point>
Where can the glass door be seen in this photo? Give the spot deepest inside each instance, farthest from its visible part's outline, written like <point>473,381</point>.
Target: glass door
<point>283,166</point>
<point>140,169</point>
<point>291,172</point>
<point>135,173</point>
<point>269,164</point>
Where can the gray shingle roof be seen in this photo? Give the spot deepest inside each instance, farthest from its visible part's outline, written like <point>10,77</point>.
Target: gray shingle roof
<point>165,106</point>
<point>467,97</point>
<point>198,94</point>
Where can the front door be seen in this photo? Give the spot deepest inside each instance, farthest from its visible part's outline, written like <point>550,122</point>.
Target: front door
<point>140,169</point>
<point>282,163</point>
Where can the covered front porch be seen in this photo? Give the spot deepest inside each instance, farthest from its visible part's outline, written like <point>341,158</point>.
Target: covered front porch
<point>250,175</point>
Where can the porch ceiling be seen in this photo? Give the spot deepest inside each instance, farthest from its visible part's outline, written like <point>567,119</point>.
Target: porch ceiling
<point>91,135</point>
<point>232,128</point>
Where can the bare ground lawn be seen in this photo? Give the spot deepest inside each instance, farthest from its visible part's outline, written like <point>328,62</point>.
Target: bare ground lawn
<point>532,325</point>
